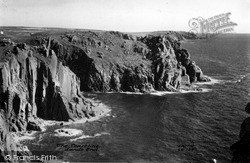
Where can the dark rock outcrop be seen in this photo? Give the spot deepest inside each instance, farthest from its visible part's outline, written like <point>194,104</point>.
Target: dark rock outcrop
<point>42,75</point>
<point>112,61</point>
<point>42,88</point>
<point>33,126</point>
<point>32,86</point>
<point>247,108</point>
<point>241,149</point>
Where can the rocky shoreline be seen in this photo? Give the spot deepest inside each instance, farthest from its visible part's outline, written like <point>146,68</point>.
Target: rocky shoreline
<point>43,72</point>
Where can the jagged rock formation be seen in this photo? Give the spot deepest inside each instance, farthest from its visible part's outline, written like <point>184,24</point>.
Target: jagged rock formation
<point>112,61</point>
<point>32,86</point>
<point>43,73</point>
<point>7,144</point>
<point>241,149</point>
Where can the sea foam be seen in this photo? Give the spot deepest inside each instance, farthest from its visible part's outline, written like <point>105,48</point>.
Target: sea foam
<point>211,82</point>
<point>67,132</point>
<point>162,93</point>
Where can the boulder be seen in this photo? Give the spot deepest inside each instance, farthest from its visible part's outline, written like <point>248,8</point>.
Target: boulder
<point>247,108</point>
<point>32,126</point>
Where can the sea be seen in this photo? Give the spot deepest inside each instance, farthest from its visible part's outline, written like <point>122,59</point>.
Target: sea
<point>185,127</point>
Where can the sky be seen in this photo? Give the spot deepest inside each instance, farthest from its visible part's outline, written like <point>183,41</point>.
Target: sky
<point>121,15</point>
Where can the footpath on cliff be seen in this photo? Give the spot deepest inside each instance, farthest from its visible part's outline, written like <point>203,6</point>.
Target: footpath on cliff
<point>43,73</point>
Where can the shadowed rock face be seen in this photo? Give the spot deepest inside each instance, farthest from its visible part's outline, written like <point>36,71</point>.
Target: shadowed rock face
<point>241,149</point>
<point>112,61</point>
<point>43,76</point>
<point>43,88</point>
<point>34,86</point>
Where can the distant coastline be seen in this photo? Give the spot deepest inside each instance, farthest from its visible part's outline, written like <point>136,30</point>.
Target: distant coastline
<point>44,70</point>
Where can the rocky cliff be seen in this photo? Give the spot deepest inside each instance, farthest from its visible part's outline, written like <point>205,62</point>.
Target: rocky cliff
<point>32,86</point>
<point>113,61</point>
<point>241,149</point>
<point>36,86</point>
<point>7,144</point>
<point>42,73</point>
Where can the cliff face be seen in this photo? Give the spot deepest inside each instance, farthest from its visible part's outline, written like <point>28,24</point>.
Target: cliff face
<point>39,87</point>
<point>42,73</point>
<point>112,61</point>
<point>7,144</point>
<point>241,149</point>
<point>32,86</point>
